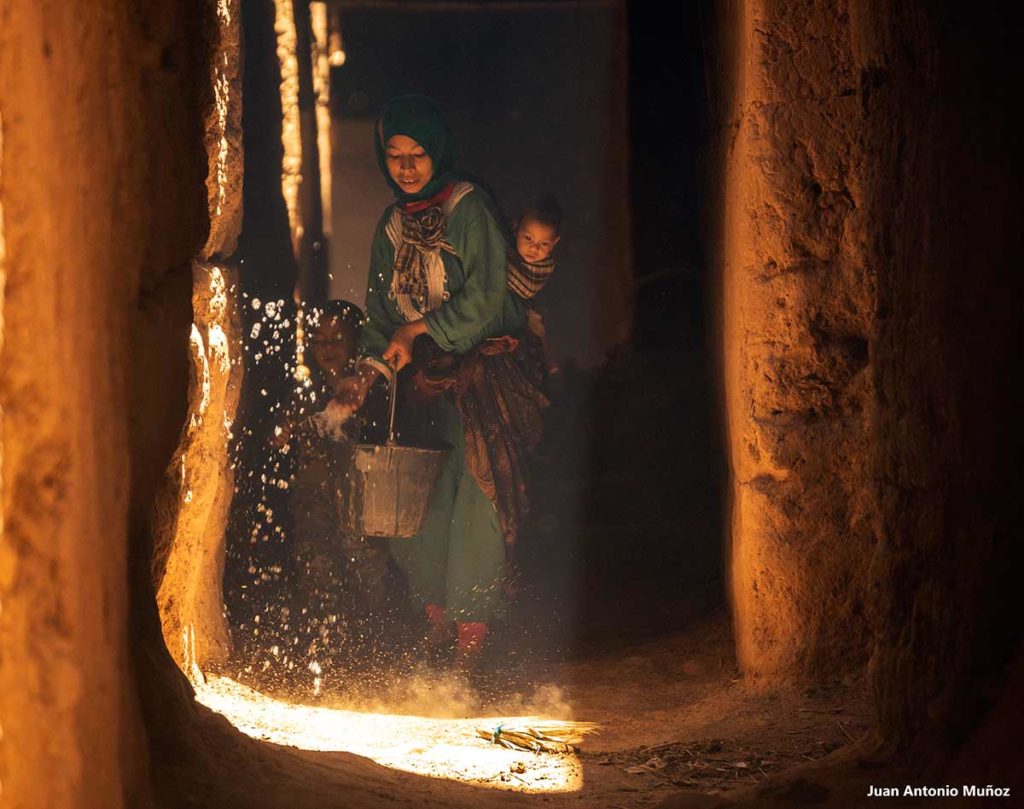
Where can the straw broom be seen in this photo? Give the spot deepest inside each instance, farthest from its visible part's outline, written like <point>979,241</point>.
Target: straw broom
<point>551,736</point>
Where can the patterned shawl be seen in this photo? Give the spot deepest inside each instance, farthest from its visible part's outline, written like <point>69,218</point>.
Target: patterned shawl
<point>502,415</point>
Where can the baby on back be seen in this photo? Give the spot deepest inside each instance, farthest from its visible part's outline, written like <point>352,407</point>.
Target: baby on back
<point>535,233</point>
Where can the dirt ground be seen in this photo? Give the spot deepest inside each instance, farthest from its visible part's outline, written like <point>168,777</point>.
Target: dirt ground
<point>675,716</point>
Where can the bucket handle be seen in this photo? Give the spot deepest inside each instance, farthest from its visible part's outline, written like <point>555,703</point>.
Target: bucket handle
<point>393,387</point>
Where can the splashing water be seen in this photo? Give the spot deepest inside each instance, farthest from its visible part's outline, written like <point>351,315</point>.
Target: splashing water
<point>294,684</point>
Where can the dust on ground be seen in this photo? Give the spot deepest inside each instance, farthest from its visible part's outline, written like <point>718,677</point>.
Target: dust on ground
<point>677,716</point>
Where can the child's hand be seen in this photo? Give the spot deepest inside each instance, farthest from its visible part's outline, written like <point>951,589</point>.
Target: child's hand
<point>350,393</point>
<point>282,435</point>
<point>339,412</point>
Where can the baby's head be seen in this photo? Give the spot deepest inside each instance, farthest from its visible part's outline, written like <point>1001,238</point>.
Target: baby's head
<point>537,231</point>
<point>333,333</point>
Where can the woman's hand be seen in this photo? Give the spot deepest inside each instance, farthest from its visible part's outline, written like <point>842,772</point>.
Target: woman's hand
<point>399,350</point>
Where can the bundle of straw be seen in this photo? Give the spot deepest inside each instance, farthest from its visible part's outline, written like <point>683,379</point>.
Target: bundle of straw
<point>551,736</point>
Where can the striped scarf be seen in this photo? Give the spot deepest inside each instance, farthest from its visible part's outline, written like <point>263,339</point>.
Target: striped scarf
<point>422,241</point>
<point>416,231</point>
<point>526,279</point>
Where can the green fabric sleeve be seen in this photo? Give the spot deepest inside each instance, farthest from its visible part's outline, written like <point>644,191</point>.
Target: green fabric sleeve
<point>476,235</point>
<point>376,332</point>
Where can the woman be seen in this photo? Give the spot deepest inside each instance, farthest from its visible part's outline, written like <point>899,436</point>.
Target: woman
<point>438,271</point>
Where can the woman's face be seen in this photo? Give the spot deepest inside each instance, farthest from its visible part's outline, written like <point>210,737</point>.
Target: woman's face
<point>408,163</point>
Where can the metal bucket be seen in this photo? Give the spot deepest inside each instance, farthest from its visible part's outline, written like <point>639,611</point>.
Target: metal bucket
<point>383,490</point>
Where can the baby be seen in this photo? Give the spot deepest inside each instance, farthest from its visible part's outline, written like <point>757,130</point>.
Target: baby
<point>530,262</point>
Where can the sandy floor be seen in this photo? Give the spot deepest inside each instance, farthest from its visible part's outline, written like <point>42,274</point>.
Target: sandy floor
<point>674,715</point>
<point>677,716</point>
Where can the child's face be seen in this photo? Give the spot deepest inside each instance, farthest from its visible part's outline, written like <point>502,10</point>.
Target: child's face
<point>535,240</point>
<point>333,346</point>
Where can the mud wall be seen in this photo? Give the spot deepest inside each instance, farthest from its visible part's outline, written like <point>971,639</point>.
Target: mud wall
<point>946,197</point>
<point>799,293</point>
<point>105,206</point>
<point>192,507</point>
<point>870,310</point>
<point>192,501</point>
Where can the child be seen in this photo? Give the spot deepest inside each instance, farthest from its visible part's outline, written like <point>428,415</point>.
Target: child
<point>530,263</point>
<point>333,331</point>
<point>337,574</point>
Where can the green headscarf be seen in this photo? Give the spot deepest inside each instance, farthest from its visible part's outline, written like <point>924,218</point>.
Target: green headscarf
<point>420,118</point>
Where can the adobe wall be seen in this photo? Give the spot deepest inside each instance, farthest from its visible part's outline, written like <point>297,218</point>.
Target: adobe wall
<point>867,249</point>
<point>799,301</point>
<point>105,206</point>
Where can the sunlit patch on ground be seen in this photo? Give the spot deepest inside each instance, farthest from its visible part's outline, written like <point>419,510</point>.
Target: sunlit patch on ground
<point>436,747</point>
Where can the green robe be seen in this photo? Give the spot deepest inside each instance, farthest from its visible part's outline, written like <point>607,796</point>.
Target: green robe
<point>480,305</point>
<point>458,559</point>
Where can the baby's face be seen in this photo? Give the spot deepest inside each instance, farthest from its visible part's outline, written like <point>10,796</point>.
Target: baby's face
<point>535,240</point>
